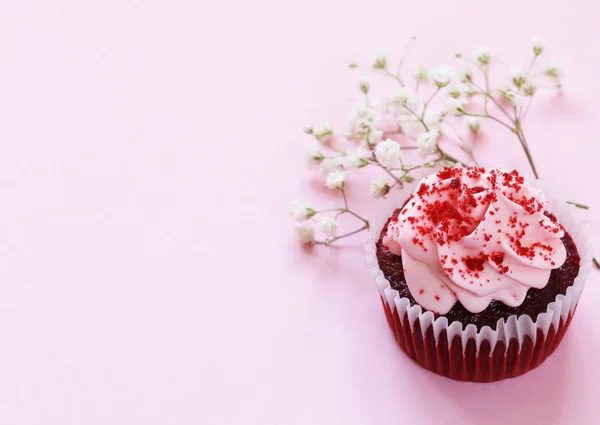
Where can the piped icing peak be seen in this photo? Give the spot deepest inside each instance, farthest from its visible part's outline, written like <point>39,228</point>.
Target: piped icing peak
<point>475,235</point>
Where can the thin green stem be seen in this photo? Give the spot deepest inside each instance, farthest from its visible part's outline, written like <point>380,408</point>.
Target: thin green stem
<point>345,235</point>
<point>406,52</point>
<point>523,141</point>
<point>420,119</point>
<point>447,157</point>
<point>426,104</point>
<point>499,121</point>
<point>526,109</point>
<point>329,210</point>
<point>387,171</point>
<point>345,199</point>
<point>463,143</point>
<point>357,216</point>
<point>394,76</point>
<point>585,207</point>
<point>488,95</point>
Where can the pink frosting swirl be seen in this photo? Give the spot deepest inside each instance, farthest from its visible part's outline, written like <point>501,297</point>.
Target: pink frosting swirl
<point>475,235</point>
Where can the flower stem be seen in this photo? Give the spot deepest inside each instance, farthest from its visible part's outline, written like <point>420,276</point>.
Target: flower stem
<point>597,263</point>
<point>585,207</point>
<point>521,136</point>
<point>394,76</point>
<point>499,121</point>
<point>332,240</point>
<point>406,52</point>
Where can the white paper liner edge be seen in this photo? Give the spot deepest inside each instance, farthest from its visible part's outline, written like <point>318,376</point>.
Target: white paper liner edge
<point>510,328</point>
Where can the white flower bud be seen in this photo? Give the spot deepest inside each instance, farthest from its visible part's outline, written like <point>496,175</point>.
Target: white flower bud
<point>517,75</point>
<point>427,143</point>
<point>308,129</point>
<point>358,158</point>
<point>442,75</point>
<point>328,225</point>
<point>336,179</point>
<point>554,69</point>
<point>324,135</point>
<point>314,159</point>
<point>374,135</point>
<point>465,75</point>
<point>379,188</point>
<point>474,123</point>
<point>455,106</point>
<point>305,233</point>
<point>483,56</point>
<point>379,60</point>
<point>400,98</point>
<point>301,211</point>
<point>512,97</point>
<point>433,119</point>
<point>388,153</point>
<point>331,164</point>
<point>421,74</point>
<point>364,85</point>
<point>529,88</point>
<point>456,90</point>
<point>538,45</point>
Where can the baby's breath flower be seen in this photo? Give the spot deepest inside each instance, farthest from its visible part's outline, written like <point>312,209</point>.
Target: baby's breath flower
<point>455,106</point>
<point>331,164</point>
<point>301,211</point>
<point>305,232</point>
<point>374,135</point>
<point>388,153</point>
<point>483,57</point>
<point>433,118</point>
<point>465,75</point>
<point>529,88</point>
<point>517,75</point>
<point>456,90</point>
<point>358,158</point>
<point>512,97</point>
<point>470,90</point>
<point>474,123</point>
<point>335,179</point>
<point>308,129</point>
<point>410,126</point>
<point>400,98</point>
<point>538,45</point>
<point>554,69</point>
<point>364,120</point>
<point>427,143</point>
<point>364,85</point>
<point>442,75</point>
<point>379,60</point>
<point>421,74</point>
<point>314,159</point>
<point>379,188</point>
<point>328,225</point>
<point>324,134</point>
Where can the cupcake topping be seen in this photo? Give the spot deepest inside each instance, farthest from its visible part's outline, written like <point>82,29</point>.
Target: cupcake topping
<point>475,235</point>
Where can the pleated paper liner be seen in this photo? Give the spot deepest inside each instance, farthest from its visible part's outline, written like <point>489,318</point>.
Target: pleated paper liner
<point>516,346</point>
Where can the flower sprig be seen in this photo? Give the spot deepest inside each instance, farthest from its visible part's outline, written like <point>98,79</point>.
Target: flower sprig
<point>443,108</point>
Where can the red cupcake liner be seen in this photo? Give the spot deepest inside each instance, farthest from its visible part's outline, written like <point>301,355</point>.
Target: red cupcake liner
<point>517,344</point>
<point>466,363</point>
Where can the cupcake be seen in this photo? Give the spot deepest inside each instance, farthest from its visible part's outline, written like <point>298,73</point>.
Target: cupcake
<point>479,273</point>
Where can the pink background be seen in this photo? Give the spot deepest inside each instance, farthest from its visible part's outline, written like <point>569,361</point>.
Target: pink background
<point>148,272</point>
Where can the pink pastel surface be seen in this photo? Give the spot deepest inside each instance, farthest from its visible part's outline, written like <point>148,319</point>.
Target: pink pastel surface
<point>148,270</point>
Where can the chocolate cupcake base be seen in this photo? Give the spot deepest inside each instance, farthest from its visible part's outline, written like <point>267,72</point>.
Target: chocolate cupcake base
<point>466,352</point>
